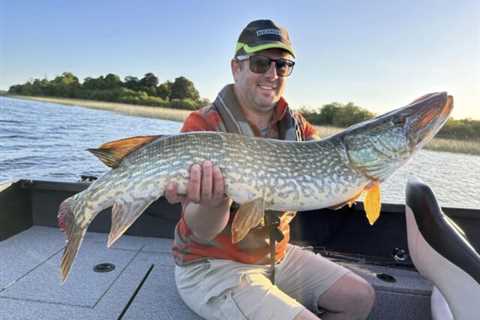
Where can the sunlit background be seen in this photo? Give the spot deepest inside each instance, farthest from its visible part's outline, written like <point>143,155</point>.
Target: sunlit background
<point>376,54</point>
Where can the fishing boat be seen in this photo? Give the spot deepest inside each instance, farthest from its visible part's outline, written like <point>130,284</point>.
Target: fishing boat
<point>422,260</point>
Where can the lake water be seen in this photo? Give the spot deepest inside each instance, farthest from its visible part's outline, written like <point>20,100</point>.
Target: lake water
<point>48,142</point>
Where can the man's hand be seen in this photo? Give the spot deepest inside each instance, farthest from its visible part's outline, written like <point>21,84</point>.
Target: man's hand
<point>205,206</point>
<point>206,187</point>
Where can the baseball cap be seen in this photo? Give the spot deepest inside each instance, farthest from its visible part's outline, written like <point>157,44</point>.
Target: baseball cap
<point>260,35</point>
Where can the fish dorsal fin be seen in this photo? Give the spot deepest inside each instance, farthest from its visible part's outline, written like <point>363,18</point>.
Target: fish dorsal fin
<point>112,153</point>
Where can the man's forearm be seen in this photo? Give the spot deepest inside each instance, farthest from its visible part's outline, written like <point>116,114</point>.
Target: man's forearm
<point>207,222</point>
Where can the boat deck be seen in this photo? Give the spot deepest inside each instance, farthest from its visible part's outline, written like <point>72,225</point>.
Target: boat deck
<point>30,286</point>
<point>142,284</point>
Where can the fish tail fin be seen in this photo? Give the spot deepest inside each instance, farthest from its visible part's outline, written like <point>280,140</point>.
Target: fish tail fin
<point>70,253</point>
<point>74,234</point>
<point>65,212</point>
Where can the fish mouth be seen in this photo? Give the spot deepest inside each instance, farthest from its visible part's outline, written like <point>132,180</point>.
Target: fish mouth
<point>428,115</point>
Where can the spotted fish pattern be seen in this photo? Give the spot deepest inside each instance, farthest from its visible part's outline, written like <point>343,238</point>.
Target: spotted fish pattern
<point>280,175</point>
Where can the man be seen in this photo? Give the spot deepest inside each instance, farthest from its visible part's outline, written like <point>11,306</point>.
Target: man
<point>219,279</point>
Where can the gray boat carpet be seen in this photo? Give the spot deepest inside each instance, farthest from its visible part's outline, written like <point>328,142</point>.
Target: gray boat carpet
<point>142,284</point>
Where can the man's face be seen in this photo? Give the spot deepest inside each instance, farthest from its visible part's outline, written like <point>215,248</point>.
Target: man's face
<point>259,92</point>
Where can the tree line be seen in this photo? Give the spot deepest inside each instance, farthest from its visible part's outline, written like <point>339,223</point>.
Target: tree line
<point>179,94</point>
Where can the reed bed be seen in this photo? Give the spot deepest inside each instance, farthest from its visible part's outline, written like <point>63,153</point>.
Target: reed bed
<point>455,146</point>
<point>325,131</point>
<point>133,110</point>
<point>437,144</point>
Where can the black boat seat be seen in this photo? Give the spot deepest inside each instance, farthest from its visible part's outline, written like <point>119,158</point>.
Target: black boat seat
<point>441,252</point>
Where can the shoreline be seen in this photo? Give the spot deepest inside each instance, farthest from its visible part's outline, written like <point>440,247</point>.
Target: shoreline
<point>437,144</point>
<point>124,108</point>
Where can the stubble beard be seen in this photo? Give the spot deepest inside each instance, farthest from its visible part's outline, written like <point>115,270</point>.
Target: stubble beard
<point>262,103</point>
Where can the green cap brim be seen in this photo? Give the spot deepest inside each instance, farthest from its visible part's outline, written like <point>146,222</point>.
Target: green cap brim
<point>261,47</point>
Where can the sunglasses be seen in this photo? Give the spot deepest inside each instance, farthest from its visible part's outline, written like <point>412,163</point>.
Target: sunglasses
<point>261,64</point>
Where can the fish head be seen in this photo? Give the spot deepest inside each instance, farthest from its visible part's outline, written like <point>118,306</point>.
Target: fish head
<point>425,117</point>
<point>379,146</point>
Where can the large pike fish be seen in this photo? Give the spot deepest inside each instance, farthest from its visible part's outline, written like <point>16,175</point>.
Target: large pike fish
<point>259,173</point>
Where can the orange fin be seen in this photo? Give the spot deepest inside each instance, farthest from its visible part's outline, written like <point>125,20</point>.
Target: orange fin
<point>372,202</point>
<point>248,216</point>
<point>112,153</point>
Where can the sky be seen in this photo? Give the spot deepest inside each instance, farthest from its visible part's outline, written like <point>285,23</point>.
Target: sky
<point>377,54</point>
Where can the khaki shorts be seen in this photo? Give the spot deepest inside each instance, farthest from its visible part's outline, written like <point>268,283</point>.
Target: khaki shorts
<point>224,289</point>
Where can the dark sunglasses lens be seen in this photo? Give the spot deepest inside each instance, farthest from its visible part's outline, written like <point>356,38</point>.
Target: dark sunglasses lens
<point>284,67</point>
<point>259,64</point>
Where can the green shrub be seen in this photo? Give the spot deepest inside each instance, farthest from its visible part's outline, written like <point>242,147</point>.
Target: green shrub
<point>337,114</point>
<point>184,104</point>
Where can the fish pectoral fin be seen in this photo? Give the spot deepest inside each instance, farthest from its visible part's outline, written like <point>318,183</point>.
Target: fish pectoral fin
<point>124,215</point>
<point>248,216</point>
<point>112,153</point>
<point>372,203</point>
